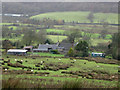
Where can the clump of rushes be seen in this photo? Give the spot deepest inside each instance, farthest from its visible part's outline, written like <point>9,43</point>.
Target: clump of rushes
<point>72,84</point>
<point>12,83</point>
<point>18,83</point>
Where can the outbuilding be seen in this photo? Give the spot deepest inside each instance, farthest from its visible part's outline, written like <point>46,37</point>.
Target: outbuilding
<point>29,48</point>
<point>17,52</point>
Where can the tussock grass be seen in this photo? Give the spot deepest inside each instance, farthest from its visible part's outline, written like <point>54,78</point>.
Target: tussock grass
<point>72,84</point>
<point>18,83</point>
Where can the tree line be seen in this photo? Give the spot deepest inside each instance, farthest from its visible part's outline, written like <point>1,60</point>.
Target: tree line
<point>33,8</point>
<point>114,47</point>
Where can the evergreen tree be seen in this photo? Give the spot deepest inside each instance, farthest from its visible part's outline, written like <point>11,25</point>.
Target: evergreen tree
<point>82,49</point>
<point>116,46</point>
<point>47,41</point>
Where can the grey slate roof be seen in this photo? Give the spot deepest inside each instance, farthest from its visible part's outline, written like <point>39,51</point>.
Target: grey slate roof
<point>67,46</point>
<point>46,47</point>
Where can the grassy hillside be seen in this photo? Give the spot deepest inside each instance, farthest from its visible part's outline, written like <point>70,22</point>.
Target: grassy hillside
<point>79,16</point>
<point>92,74</point>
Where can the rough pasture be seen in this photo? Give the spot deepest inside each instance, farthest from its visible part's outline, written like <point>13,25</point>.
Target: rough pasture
<point>62,69</point>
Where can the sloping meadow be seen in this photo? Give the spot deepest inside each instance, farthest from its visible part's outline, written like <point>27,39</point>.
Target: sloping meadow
<point>59,71</point>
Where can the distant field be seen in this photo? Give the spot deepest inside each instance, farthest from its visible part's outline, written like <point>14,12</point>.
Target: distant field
<point>12,28</point>
<point>60,28</point>
<point>95,42</point>
<point>78,16</point>
<point>55,38</point>
<point>109,17</point>
<point>108,36</point>
<point>94,31</point>
<point>55,31</point>
<point>13,39</point>
<point>6,23</point>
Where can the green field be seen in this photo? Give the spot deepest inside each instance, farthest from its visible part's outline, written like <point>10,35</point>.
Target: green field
<point>6,23</point>
<point>95,42</point>
<point>108,36</point>
<point>55,31</point>
<point>48,54</point>
<point>79,68</point>
<point>55,38</point>
<point>79,16</point>
<point>12,39</point>
<point>12,27</point>
<point>93,30</point>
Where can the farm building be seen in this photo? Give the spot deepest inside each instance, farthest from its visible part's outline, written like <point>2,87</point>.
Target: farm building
<point>17,52</point>
<point>29,48</point>
<point>94,54</point>
<point>66,46</point>
<point>47,47</point>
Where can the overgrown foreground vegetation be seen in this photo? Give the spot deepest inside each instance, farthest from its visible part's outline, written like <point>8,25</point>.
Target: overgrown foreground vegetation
<point>55,72</point>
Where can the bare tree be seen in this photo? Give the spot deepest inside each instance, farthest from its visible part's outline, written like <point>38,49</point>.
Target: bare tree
<point>104,31</point>
<point>91,17</point>
<point>73,35</point>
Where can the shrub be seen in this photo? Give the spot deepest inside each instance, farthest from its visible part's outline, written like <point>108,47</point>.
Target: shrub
<point>82,49</point>
<point>71,52</point>
<point>54,51</point>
